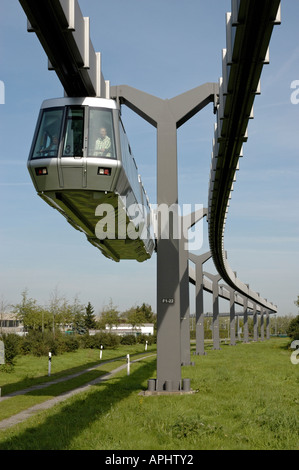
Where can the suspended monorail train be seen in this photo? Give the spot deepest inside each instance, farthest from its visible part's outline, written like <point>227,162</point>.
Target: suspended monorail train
<point>81,164</point>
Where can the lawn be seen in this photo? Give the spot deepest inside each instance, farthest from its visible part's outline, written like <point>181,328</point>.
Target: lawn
<point>246,398</point>
<point>30,370</point>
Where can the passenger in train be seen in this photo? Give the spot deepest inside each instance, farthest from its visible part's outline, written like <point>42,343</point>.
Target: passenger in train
<point>103,144</point>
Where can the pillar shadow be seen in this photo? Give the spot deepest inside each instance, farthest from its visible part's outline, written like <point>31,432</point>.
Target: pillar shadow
<point>57,431</point>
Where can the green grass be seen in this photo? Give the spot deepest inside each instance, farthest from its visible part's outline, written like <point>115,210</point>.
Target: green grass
<point>247,398</point>
<point>30,370</point>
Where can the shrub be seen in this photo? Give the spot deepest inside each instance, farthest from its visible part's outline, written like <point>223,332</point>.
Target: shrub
<point>86,341</point>
<point>71,343</point>
<point>128,340</point>
<point>293,329</point>
<point>34,343</point>
<point>11,347</point>
<point>208,334</point>
<point>40,344</point>
<point>141,339</point>
<point>107,340</point>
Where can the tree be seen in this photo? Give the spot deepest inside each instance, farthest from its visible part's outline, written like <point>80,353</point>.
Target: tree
<point>136,317</point>
<point>109,316</point>
<point>11,348</point>
<point>280,324</point>
<point>59,310</point>
<point>139,315</point>
<point>78,316</point>
<point>89,317</point>
<point>293,329</point>
<point>146,310</point>
<point>28,312</point>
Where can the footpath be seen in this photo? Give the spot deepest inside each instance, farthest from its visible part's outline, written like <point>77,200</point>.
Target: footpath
<point>25,414</point>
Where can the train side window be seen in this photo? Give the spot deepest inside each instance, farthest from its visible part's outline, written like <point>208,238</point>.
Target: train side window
<point>74,130</point>
<point>47,140</point>
<point>101,135</point>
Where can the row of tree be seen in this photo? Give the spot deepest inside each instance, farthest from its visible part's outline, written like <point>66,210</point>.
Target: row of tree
<point>63,314</point>
<point>79,318</point>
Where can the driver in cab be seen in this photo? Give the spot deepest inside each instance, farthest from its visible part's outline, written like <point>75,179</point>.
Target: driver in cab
<point>103,144</point>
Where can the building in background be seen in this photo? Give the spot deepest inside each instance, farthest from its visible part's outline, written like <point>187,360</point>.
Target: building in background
<point>9,323</point>
<point>124,329</point>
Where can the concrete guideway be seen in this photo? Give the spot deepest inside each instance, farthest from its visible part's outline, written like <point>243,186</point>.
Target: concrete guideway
<point>25,414</point>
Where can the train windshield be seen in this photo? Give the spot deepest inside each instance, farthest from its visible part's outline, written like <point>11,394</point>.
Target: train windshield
<point>47,141</point>
<point>67,125</point>
<point>101,134</point>
<point>74,132</point>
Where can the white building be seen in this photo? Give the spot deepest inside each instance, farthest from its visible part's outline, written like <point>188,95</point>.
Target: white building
<point>9,323</point>
<point>126,329</point>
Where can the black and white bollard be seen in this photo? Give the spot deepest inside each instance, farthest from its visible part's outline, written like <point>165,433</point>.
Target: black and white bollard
<point>49,365</point>
<point>128,364</point>
<point>101,352</point>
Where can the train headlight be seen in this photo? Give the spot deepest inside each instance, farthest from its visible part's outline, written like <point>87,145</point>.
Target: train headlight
<point>41,171</point>
<point>104,171</point>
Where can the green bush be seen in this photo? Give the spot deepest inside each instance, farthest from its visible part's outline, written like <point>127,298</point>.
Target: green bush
<point>11,347</point>
<point>107,340</point>
<point>141,339</point>
<point>208,334</point>
<point>35,343</point>
<point>71,343</point>
<point>128,340</point>
<point>88,342</point>
<point>293,329</point>
<point>40,344</point>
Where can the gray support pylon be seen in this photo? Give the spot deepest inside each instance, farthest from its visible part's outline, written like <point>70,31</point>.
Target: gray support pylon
<point>167,116</point>
<point>267,324</point>
<point>187,222</point>
<point>232,318</point>
<point>255,323</point>
<point>262,325</point>
<point>238,328</point>
<point>216,335</point>
<point>232,314</point>
<point>199,260</point>
<point>245,320</point>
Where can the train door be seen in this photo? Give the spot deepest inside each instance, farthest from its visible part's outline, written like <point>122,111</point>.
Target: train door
<point>72,159</point>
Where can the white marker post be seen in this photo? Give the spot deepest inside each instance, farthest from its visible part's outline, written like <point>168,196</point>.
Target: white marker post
<point>146,345</point>
<point>49,366</point>
<point>128,364</point>
<point>2,356</point>
<point>2,353</point>
<point>101,352</point>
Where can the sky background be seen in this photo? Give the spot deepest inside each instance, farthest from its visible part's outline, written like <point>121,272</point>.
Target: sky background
<point>162,47</point>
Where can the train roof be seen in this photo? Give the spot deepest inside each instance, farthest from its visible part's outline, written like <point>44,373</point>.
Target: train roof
<point>81,101</point>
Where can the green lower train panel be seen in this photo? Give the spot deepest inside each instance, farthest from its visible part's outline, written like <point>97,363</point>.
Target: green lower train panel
<point>95,212</point>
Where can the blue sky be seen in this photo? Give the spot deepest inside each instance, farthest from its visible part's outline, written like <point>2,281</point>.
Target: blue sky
<point>164,48</point>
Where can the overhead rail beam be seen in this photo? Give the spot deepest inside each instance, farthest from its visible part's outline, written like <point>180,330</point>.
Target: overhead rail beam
<point>223,291</point>
<point>64,34</point>
<point>249,29</point>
